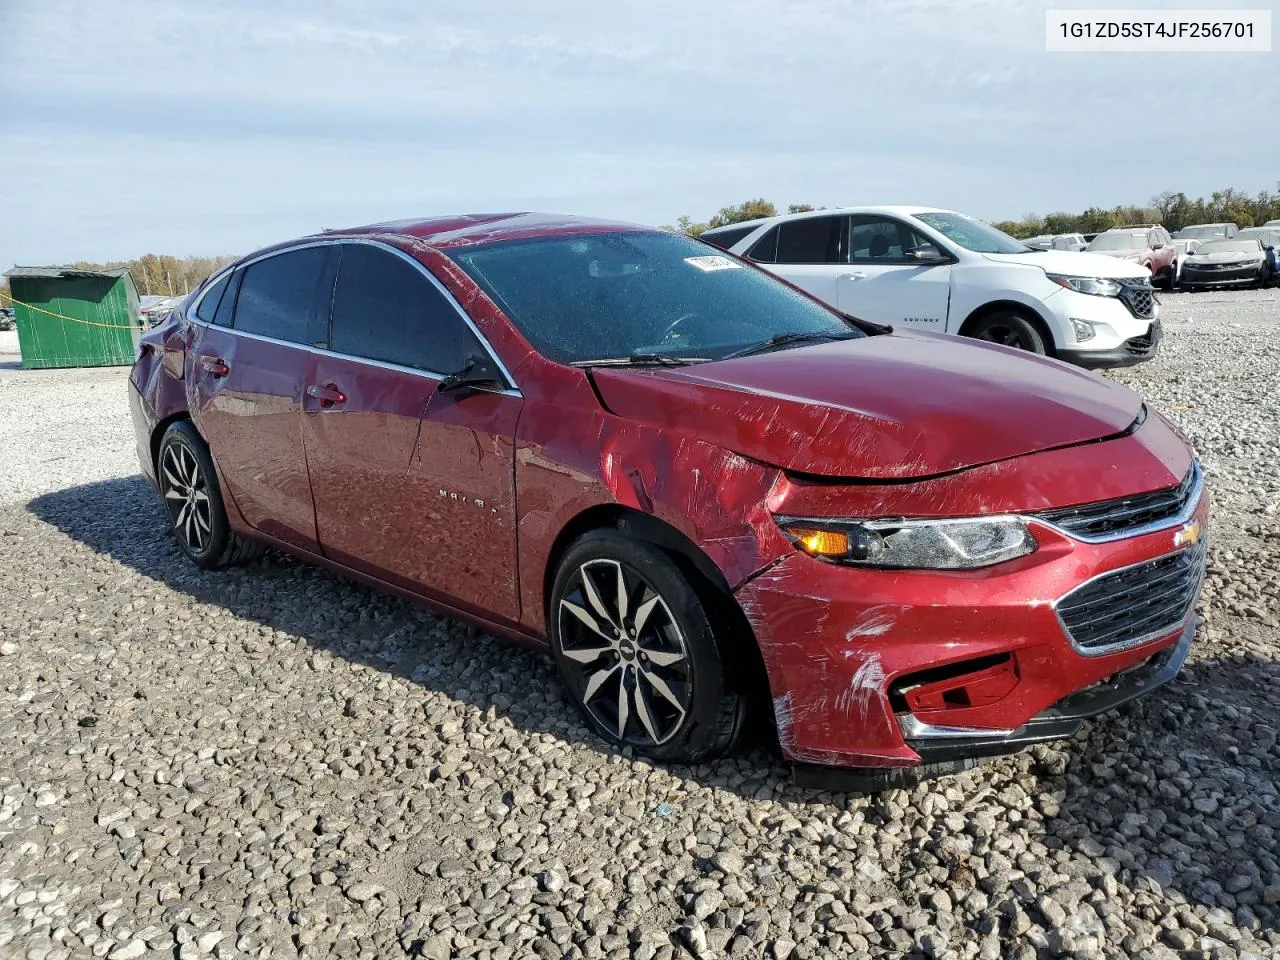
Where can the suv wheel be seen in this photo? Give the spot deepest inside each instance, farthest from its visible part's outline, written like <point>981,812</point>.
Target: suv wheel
<point>638,653</point>
<point>1010,329</point>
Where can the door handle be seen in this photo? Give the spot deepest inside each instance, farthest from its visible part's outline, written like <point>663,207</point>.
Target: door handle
<point>853,276</point>
<point>328,394</point>
<point>215,366</point>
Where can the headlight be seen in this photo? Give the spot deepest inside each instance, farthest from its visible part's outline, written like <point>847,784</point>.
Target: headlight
<point>912,544</point>
<point>1094,286</point>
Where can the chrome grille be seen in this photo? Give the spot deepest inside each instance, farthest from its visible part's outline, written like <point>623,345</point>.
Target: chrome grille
<point>1138,296</point>
<point>1111,518</point>
<point>1135,605</point>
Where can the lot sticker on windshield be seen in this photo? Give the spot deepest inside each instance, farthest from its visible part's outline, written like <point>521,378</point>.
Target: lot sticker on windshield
<point>712,263</point>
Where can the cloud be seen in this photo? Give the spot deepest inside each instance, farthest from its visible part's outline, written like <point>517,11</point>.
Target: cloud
<point>214,127</point>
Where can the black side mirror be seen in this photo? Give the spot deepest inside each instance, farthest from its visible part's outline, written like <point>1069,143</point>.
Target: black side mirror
<point>478,373</point>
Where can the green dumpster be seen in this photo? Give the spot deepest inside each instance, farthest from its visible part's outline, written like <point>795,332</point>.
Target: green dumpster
<point>75,318</point>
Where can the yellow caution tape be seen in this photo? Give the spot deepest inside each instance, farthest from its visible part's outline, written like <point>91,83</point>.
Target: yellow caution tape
<point>50,313</point>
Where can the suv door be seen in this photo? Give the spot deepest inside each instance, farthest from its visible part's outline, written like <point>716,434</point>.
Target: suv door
<point>412,485</point>
<point>245,377</point>
<point>886,282</point>
<point>810,252</point>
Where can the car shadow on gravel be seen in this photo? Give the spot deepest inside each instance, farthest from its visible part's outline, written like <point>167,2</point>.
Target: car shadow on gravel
<point>1176,794</point>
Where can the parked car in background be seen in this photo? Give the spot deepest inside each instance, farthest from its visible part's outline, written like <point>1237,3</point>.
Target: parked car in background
<point>1228,263</point>
<point>1272,223</point>
<point>156,308</point>
<point>1208,231</point>
<point>1147,244</point>
<point>706,495</point>
<point>943,271</point>
<point>1073,242</point>
<point>7,321</point>
<point>1184,247</point>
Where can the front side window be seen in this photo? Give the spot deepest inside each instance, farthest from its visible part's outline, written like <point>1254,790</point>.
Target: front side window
<point>811,240</point>
<point>883,240</point>
<point>590,297</point>
<point>972,234</point>
<point>385,309</point>
<point>278,296</point>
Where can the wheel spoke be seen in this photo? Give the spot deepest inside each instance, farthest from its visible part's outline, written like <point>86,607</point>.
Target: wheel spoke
<point>593,597</point>
<point>662,658</point>
<point>643,611</point>
<point>594,683</point>
<point>642,711</point>
<point>622,597</point>
<point>585,655</point>
<point>182,514</point>
<point>587,620</point>
<point>624,705</point>
<point>201,522</point>
<point>188,465</point>
<point>192,533</point>
<point>661,686</point>
<point>200,495</point>
<point>172,494</point>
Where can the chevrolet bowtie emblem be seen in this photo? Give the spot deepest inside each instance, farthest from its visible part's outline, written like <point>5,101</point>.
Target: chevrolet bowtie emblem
<point>1188,536</point>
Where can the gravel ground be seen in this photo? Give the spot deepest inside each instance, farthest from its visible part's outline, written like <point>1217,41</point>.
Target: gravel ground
<point>274,761</point>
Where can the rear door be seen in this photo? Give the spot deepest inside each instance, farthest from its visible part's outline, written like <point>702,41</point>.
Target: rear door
<point>809,252</point>
<point>884,283</point>
<point>247,373</point>
<point>411,485</point>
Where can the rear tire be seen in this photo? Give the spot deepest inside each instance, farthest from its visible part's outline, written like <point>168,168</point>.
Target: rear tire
<point>1010,329</point>
<point>638,652</point>
<point>193,501</point>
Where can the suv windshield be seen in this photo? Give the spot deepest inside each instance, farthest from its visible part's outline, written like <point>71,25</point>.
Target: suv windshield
<point>613,296</point>
<point>1119,241</point>
<point>973,234</point>
<point>1207,230</point>
<point>1228,246</point>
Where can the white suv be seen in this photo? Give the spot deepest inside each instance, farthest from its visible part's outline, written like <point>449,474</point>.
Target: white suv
<point>943,271</point>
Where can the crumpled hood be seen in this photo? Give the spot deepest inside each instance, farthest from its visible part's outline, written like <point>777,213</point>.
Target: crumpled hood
<point>885,407</point>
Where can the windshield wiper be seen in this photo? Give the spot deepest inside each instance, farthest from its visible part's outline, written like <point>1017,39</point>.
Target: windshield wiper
<point>782,340</point>
<point>639,360</point>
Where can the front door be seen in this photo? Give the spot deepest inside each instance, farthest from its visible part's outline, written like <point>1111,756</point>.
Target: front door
<point>885,283</point>
<point>412,485</point>
<point>247,368</point>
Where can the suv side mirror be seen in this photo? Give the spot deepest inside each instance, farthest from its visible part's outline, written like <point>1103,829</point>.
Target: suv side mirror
<point>478,373</point>
<point>927,254</point>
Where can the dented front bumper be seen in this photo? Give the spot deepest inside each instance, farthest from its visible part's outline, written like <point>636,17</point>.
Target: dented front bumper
<point>875,668</point>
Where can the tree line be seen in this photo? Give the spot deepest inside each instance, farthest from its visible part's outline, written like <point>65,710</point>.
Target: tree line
<point>1173,210</point>
<point>161,274</point>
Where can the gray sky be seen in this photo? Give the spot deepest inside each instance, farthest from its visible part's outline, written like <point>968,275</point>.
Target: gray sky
<point>209,126</point>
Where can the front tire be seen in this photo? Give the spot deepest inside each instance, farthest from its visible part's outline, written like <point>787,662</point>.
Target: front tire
<point>193,501</point>
<point>1010,329</point>
<point>638,653</point>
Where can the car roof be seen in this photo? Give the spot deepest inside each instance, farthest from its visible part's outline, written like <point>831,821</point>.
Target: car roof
<point>474,228</point>
<point>900,209</point>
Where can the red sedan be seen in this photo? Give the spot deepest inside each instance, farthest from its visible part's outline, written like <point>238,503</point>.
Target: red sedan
<point>705,492</point>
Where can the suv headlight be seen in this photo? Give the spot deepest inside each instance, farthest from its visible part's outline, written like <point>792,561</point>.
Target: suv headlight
<point>964,544</point>
<point>1094,286</point>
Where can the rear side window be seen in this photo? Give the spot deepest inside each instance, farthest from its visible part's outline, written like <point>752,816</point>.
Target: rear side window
<point>209,302</point>
<point>765,250</point>
<point>724,239</point>
<point>385,309</point>
<point>812,240</point>
<point>278,296</point>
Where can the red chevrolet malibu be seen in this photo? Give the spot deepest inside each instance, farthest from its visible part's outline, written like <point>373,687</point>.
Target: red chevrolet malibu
<point>705,492</point>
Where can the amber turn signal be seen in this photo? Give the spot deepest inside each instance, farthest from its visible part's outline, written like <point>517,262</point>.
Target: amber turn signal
<point>821,543</point>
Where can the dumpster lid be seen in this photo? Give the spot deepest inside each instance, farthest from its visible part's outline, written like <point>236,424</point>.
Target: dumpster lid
<point>47,272</point>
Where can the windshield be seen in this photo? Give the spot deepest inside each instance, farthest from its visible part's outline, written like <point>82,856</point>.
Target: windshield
<point>601,296</point>
<point>1119,241</point>
<point>1207,230</point>
<point>1228,246</point>
<point>972,234</point>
